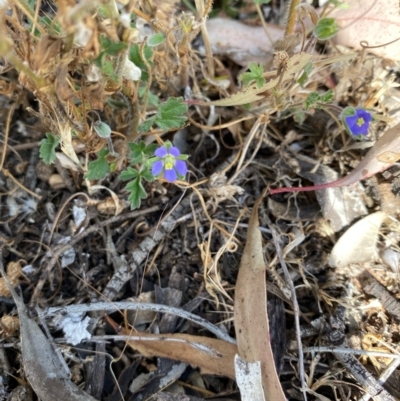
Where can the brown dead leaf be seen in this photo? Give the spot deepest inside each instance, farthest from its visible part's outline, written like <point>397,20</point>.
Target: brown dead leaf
<point>43,368</point>
<point>212,356</point>
<point>251,317</point>
<point>241,42</point>
<point>374,21</point>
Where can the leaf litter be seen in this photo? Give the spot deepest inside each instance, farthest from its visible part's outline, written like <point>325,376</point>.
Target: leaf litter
<point>153,287</point>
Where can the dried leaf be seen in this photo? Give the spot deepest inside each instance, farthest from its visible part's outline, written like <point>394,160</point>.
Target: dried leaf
<point>210,355</point>
<point>241,42</point>
<point>359,243</point>
<point>251,316</point>
<point>375,21</point>
<point>43,368</point>
<point>66,143</point>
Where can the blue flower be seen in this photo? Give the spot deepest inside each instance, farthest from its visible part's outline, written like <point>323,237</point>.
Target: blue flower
<point>169,163</point>
<point>357,121</point>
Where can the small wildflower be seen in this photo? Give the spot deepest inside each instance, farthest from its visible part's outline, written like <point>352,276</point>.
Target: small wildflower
<point>357,121</point>
<point>169,162</point>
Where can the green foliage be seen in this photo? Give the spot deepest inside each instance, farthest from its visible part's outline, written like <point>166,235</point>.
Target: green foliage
<point>156,39</point>
<point>326,28</point>
<point>299,116</point>
<point>110,47</point>
<point>261,1</point>
<point>98,169</point>
<point>306,72</point>
<point>48,148</point>
<point>169,115</point>
<point>314,99</point>
<point>255,75</point>
<point>134,56</point>
<point>151,97</point>
<point>140,151</point>
<point>135,187</point>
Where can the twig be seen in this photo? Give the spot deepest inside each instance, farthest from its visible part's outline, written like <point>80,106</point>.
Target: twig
<point>296,308</point>
<point>148,243</point>
<point>352,351</point>
<point>384,376</point>
<point>291,17</point>
<point>337,338</point>
<point>117,306</point>
<point>264,24</point>
<point>58,251</point>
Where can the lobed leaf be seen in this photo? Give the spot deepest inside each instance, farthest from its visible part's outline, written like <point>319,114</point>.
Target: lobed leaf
<point>98,169</point>
<point>48,148</point>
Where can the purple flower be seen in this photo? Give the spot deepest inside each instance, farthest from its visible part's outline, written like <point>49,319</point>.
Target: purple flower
<point>358,123</point>
<point>169,162</point>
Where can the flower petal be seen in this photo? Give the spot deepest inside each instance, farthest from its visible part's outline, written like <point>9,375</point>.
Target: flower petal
<point>161,152</point>
<point>351,121</point>
<point>366,115</point>
<point>181,167</point>
<point>174,151</point>
<point>359,123</point>
<point>170,175</point>
<point>157,167</point>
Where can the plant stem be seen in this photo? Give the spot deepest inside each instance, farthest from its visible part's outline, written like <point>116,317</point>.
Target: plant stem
<point>291,17</point>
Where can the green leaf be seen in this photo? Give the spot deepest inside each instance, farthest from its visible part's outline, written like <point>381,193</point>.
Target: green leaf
<point>152,98</point>
<point>327,97</point>
<point>99,168</point>
<point>326,28</point>
<point>255,75</point>
<point>150,149</point>
<point>140,151</point>
<point>171,114</point>
<point>48,148</point>
<point>137,149</point>
<point>129,174</point>
<point>107,67</point>
<point>137,192</point>
<point>134,56</point>
<point>299,116</point>
<point>156,39</point>
<point>110,47</point>
<point>147,174</point>
<point>261,1</point>
<point>312,98</point>
<point>146,125</point>
<point>306,72</point>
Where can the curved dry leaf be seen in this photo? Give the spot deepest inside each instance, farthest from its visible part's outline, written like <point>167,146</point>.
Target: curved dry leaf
<point>212,356</point>
<point>250,314</point>
<point>359,243</point>
<point>374,21</point>
<point>240,42</point>
<point>43,368</point>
